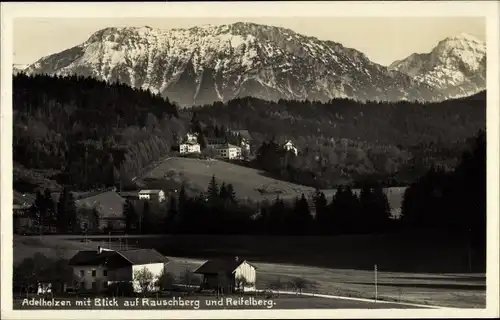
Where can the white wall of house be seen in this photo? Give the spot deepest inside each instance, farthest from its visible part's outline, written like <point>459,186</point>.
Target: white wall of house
<point>87,275</point>
<point>155,268</point>
<point>158,196</point>
<point>189,148</point>
<point>290,147</point>
<point>248,272</point>
<point>229,153</point>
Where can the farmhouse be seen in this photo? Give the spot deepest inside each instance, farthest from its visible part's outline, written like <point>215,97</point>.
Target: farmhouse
<point>228,151</point>
<point>189,147</point>
<point>288,146</point>
<point>109,209</point>
<point>156,195</point>
<point>230,274</point>
<point>95,270</point>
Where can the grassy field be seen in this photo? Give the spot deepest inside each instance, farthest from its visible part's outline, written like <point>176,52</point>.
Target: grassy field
<point>248,183</point>
<point>431,273</point>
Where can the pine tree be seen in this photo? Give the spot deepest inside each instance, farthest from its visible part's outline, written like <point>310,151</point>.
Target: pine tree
<point>212,191</point>
<point>182,200</point>
<point>145,224</point>
<point>172,216</point>
<point>381,211</point>
<point>130,216</point>
<point>231,194</point>
<point>320,203</point>
<point>50,213</point>
<point>223,194</point>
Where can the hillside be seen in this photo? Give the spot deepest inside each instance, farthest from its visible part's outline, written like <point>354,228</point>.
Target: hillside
<point>204,64</point>
<point>346,141</point>
<point>248,183</point>
<point>88,134</point>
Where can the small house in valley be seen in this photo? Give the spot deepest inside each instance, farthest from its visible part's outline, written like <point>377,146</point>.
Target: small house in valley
<point>101,211</point>
<point>96,270</point>
<point>228,274</point>
<point>156,195</point>
<point>289,146</point>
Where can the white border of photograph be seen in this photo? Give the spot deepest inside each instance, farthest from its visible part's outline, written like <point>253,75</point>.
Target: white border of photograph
<point>488,9</point>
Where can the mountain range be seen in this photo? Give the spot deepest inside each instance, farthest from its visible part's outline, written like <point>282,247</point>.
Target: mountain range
<point>200,65</point>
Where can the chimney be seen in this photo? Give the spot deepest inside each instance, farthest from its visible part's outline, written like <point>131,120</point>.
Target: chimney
<point>237,258</point>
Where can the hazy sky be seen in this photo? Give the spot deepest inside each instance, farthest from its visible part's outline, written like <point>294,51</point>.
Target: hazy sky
<point>383,40</point>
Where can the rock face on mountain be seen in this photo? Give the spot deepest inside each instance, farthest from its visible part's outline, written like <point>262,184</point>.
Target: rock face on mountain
<point>201,65</point>
<point>456,66</point>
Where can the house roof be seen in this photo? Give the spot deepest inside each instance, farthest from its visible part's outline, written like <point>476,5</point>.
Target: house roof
<point>219,265</point>
<point>227,146</point>
<point>190,143</point>
<point>143,256</point>
<point>92,258</point>
<point>109,204</point>
<point>243,133</point>
<point>149,191</point>
<point>117,258</point>
<point>23,199</point>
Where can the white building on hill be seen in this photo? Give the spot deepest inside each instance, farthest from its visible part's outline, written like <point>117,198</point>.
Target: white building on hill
<point>228,151</point>
<point>189,147</point>
<point>288,146</point>
<point>192,137</point>
<point>155,195</point>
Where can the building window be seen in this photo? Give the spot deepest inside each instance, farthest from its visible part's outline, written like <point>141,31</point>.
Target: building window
<point>105,284</point>
<point>94,273</point>
<point>82,273</point>
<point>105,272</point>
<point>82,285</point>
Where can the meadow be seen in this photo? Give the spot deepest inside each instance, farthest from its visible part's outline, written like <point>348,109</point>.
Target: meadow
<point>432,270</point>
<point>248,183</point>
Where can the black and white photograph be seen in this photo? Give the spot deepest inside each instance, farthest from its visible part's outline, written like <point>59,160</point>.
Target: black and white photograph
<point>222,160</point>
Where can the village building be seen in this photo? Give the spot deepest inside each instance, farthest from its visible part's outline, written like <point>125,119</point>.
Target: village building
<point>230,275</point>
<point>214,142</point>
<point>244,139</point>
<point>289,146</point>
<point>191,137</point>
<point>96,270</point>
<point>156,195</point>
<point>228,151</point>
<point>189,147</point>
<point>101,211</point>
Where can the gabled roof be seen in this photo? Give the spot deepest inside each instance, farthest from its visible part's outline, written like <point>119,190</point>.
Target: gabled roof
<point>243,133</point>
<point>227,146</point>
<point>143,256</point>
<point>92,258</point>
<point>109,204</point>
<point>220,265</point>
<point>113,258</point>
<point>149,191</point>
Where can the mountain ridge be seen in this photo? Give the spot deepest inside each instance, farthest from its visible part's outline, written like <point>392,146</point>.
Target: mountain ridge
<point>456,66</point>
<point>203,64</point>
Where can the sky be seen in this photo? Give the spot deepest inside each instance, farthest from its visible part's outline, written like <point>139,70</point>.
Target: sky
<point>382,39</point>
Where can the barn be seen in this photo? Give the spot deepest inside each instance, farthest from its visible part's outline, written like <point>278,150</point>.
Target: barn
<point>229,275</point>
